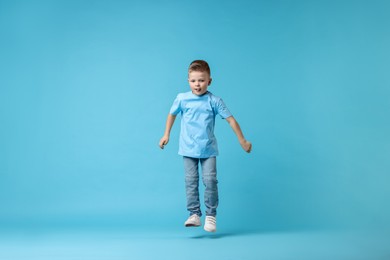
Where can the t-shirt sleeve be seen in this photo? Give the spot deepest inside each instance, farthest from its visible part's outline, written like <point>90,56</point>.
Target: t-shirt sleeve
<point>175,108</point>
<point>222,110</point>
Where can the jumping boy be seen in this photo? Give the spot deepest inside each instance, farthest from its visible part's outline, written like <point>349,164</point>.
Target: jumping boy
<point>198,144</point>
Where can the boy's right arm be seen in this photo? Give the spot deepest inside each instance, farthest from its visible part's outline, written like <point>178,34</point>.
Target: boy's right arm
<point>168,126</point>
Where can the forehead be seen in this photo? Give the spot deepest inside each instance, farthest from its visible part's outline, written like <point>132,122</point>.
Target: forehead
<point>198,74</point>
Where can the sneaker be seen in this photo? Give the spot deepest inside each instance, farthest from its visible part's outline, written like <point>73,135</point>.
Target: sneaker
<point>211,224</point>
<point>193,221</point>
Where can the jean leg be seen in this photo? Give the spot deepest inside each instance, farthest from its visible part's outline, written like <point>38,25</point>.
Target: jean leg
<point>209,176</point>
<point>192,185</point>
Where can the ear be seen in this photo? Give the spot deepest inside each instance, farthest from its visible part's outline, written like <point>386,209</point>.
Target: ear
<point>210,81</point>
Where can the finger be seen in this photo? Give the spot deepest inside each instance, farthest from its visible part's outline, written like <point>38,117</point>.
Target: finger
<point>163,143</point>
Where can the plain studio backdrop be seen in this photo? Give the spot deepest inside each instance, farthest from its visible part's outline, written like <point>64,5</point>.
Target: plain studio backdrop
<point>85,88</point>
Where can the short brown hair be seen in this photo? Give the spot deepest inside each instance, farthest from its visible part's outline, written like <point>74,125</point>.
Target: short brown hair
<point>199,65</point>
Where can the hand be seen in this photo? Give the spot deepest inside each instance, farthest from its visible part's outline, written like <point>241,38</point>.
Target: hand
<point>163,141</point>
<point>247,146</point>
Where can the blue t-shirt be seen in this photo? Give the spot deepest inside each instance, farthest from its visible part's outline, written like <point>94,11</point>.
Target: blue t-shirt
<point>198,113</point>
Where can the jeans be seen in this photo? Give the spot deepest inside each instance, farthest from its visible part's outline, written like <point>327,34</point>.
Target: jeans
<point>209,177</point>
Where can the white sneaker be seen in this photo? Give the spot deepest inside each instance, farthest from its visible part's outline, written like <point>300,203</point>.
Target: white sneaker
<point>193,221</point>
<point>211,224</point>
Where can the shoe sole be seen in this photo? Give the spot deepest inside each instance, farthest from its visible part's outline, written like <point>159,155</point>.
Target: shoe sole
<point>192,225</point>
<point>210,230</point>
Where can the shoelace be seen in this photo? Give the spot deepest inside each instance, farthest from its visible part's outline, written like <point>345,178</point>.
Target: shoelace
<point>211,220</point>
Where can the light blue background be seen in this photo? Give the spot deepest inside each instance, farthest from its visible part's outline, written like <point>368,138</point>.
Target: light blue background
<point>85,88</point>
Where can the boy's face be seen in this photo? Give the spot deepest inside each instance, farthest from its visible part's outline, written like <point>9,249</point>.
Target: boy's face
<point>199,82</point>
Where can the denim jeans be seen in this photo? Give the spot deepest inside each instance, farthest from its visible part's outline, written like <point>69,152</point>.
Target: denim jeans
<point>209,177</point>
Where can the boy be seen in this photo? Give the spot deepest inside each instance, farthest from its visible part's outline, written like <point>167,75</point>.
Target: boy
<point>198,144</point>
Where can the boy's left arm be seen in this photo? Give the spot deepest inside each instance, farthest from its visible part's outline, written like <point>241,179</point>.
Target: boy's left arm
<point>246,145</point>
